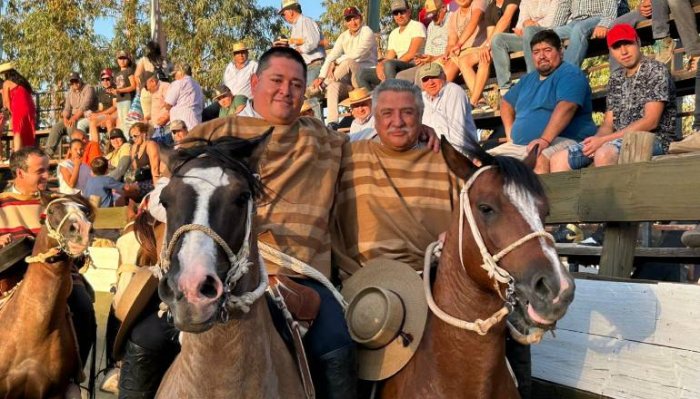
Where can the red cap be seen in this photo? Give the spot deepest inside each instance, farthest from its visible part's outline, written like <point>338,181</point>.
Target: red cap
<point>106,72</point>
<point>351,12</point>
<point>621,32</point>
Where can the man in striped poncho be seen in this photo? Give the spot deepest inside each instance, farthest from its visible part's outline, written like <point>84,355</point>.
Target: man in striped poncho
<point>395,196</point>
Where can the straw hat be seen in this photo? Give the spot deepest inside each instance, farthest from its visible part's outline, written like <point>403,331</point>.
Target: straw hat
<point>386,316</point>
<point>305,107</point>
<point>288,3</point>
<point>239,46</point>
<point>6,67</point>
<point>356,96</point>
<point>142,286</point>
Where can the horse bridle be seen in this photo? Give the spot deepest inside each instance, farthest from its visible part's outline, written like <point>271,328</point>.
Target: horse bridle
<point>62,247</point>
<point>239,264</point>
<point>490,264</point>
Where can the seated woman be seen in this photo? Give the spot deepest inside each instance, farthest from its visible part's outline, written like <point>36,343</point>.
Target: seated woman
<point>500,16</point>
<point>466,32</point>
<point>145,162</point>
<point>118,154</point>
<point>73,173</point>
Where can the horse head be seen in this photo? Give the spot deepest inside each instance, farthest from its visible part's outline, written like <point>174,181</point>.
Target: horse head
<point>503,206</point>
<point>68,221</point>
<point>209,205</point>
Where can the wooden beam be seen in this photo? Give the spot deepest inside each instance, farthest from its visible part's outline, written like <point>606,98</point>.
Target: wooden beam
<point>110,218</point>
<point>617,256</point>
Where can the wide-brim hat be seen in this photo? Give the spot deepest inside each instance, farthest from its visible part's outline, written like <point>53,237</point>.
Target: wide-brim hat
<point>239,46</point>
<point>142,286</point>
<point>287,4</point>
<point>386,316</point>
<point>357,96</point>
<point>7,66</point>
<point>14,252</point>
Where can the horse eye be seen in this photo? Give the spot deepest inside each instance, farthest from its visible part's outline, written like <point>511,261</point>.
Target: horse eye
<point>485,209</point>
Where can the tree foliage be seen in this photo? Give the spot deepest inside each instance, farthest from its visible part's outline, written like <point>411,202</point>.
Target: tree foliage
<point>201,32</point>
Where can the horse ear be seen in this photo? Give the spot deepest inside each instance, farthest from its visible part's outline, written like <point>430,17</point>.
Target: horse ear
<point>456,161</point>
<point>531,159</point>
<point>259,144</point>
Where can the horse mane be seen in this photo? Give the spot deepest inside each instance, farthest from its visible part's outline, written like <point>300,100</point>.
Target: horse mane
<point>513,171</point>
<point>228,152</point>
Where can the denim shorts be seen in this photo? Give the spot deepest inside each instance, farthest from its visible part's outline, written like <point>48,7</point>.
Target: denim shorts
<point>578,161</point>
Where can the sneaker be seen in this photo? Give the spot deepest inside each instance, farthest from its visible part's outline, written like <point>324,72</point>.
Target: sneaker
<point>110,383</point>
<point>481,107</point>
<point>568,234</point>
<point>663,50</point>
<point>691,238</point>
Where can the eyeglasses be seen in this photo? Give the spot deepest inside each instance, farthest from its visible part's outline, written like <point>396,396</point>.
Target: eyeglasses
<point>106,79</point>
<point>397,12</point>
<point>427,78</point>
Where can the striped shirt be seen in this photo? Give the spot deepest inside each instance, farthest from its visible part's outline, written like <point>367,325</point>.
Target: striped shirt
<point>20,214</point>
<point>578,10</point>
<point>390,204</point>
<point>299,169</point>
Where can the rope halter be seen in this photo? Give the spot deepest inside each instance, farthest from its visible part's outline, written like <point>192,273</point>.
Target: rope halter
<point>490,264</point>
<point>64,246</point>
<point>239,265</point>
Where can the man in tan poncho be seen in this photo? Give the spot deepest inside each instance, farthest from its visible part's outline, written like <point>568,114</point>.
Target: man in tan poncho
<point>299,169</point>
<point>395,196</point>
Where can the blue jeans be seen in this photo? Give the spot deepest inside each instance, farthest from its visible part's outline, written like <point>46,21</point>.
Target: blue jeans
<point>502,44</point>
<point>122,112</point>
<point>312,72</point>
<point>329,331</point>
<point>578,161</point>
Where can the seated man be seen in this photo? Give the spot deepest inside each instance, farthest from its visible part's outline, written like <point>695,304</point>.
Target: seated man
<point>106,115</point>
<point>578,21</point>
<point>355,48</point>
<point>225,98</point>
<point>80,98</point>
<point>537,13</point>
<point>391,187</point>
<point>360,103</point>
<point>550,108</point>
<point>20,215</point>
<point>641,97</point>
<point>447,108</point>
<point>405,42</point>
<point>238,72</point>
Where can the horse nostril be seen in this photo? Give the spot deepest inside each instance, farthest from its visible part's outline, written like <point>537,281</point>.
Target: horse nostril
<point>542,288</point>
<point>209,288</point>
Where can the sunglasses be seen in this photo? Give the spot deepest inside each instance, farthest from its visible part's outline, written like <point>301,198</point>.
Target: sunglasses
<point>397,12</point>
<point>107,79</point>
<point>350,18</point>
<point>122,58</point>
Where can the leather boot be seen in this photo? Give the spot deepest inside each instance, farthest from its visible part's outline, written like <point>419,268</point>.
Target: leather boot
<point>141,372</point>
<point>339,372</point>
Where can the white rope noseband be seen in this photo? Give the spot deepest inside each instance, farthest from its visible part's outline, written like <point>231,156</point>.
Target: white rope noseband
<point>490,264</point>
<point>239,265</point>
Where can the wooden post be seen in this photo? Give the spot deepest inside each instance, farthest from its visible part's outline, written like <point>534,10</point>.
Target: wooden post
<point>617,255</point>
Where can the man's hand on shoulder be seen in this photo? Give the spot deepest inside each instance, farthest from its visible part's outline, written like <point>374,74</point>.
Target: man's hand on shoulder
<point>427,135</point>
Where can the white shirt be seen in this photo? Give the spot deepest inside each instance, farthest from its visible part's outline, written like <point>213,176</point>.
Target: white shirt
<point>362,131</point>
<point>155,208</point>
<point>238,80</point>
<point>305,28</point>
<point>187,101</point>
<point>450,114</point>
<point>540,11</point>
<point>400,41</point>
<point>360,47</point>
<point>83,176</point>
<point>249,111</point>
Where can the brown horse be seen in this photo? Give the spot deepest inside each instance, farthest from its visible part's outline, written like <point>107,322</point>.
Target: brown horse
<point>507,205</point>
<point>38,355</point>
<point>210,214</point>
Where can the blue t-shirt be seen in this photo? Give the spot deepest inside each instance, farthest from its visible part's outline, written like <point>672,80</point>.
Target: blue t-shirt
<point>102,186</point>
<point>534,101</point>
